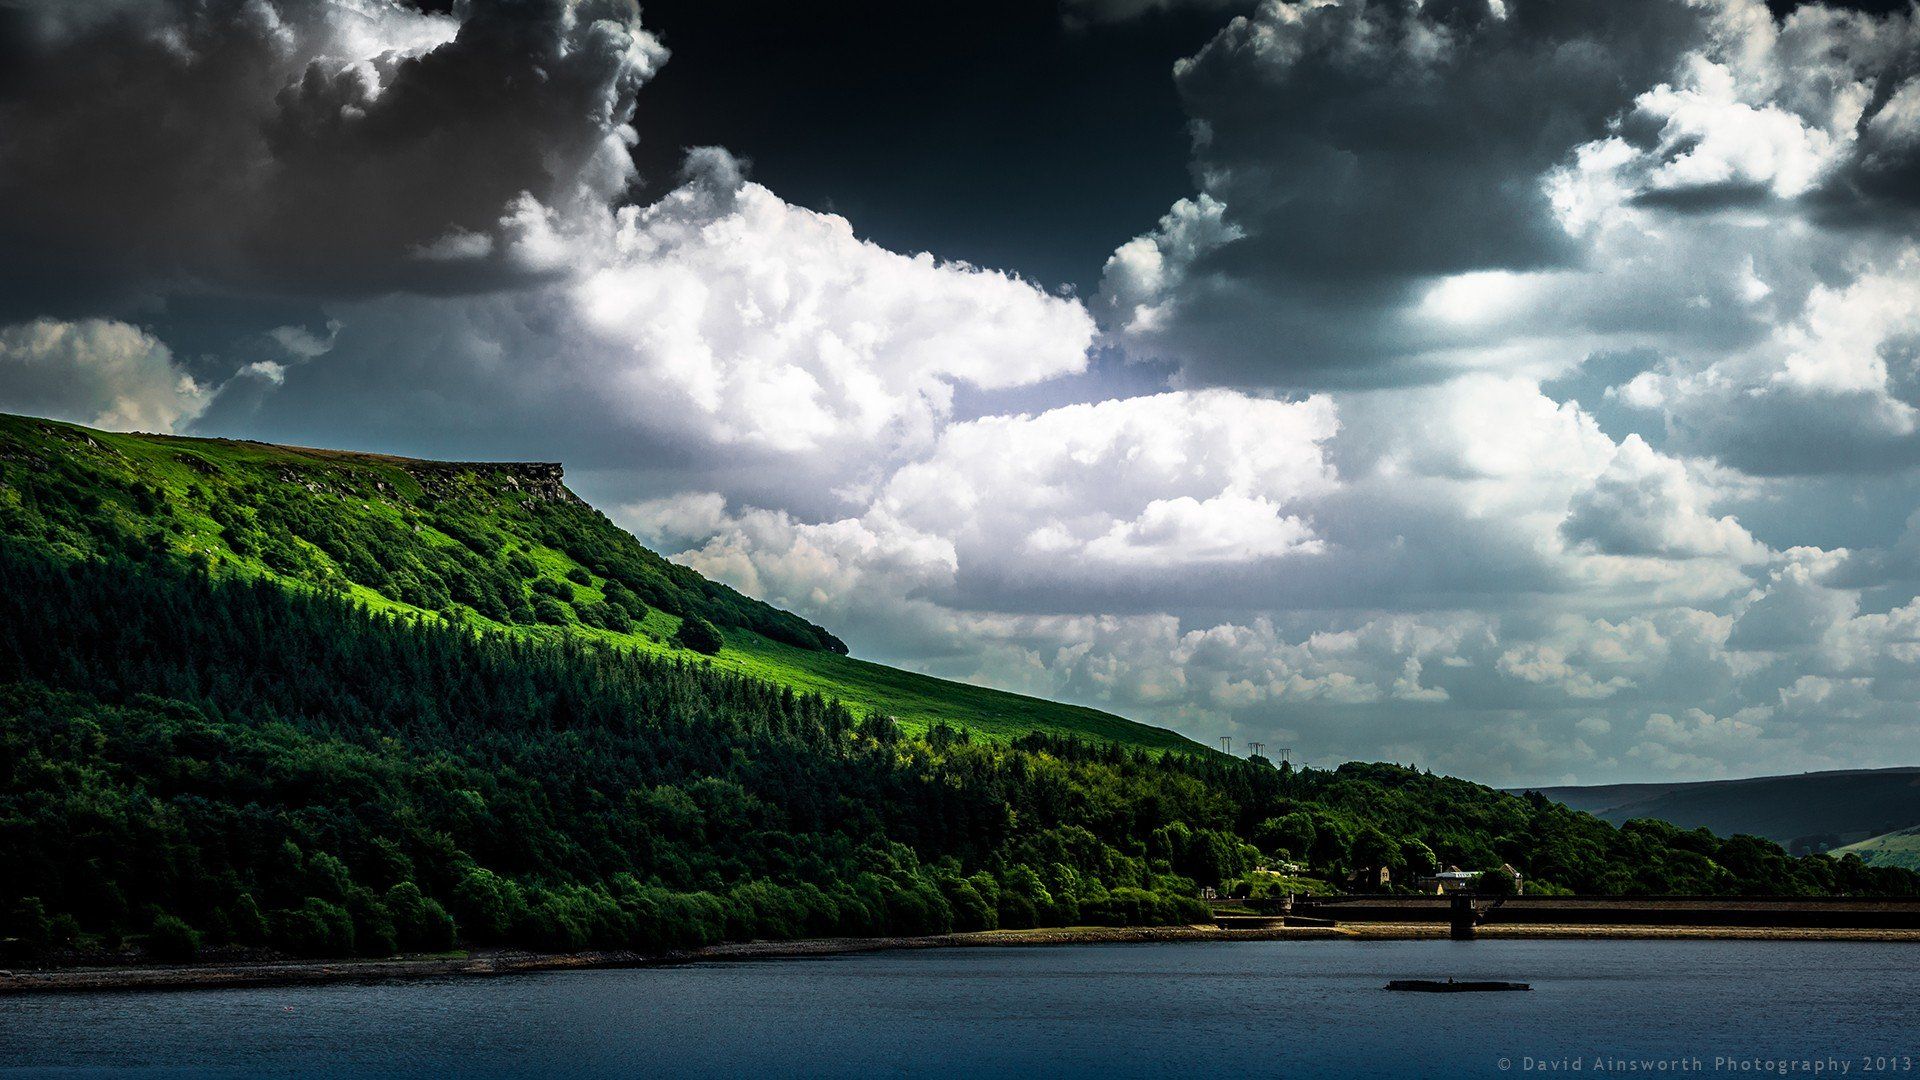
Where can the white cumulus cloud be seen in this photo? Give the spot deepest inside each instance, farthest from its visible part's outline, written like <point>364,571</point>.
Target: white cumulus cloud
<point>98,372</point>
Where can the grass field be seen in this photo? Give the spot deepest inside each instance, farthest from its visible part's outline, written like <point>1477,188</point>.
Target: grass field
<point>1900,848</point>
<point>918,701</point>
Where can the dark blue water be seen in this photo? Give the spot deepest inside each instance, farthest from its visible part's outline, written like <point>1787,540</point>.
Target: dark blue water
<point>1241,1009</point>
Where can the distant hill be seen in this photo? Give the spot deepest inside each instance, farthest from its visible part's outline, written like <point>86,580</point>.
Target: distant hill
<point>491,545</point>
<point>1815,811</point>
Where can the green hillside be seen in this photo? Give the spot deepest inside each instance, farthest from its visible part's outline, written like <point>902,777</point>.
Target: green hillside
<point>1899,848</point>
<point>501,546</point>
<point>192,764</point>
<point>1805,812</point>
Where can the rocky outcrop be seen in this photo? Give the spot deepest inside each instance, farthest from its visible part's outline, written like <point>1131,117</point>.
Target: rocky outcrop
<point>541,481</point>
<point>350,477</point>
<point>537,481</point>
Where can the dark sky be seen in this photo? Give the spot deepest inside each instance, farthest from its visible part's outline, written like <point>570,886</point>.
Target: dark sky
<point>983,131</point>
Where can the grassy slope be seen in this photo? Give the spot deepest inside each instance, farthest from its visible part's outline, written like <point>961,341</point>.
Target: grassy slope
<point>919,700</point>
<point>1899,848</point>
<point>399,510</point>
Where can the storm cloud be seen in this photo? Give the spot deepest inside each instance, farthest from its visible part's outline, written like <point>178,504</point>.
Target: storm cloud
<point>1390,192</point>
<point>312,147</point>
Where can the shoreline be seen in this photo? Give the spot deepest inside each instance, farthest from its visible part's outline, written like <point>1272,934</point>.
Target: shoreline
<point>499,962</point>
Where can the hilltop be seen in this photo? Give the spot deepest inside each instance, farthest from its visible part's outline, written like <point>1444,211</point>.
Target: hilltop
<point>1815,811</point>
<point>501,546</point>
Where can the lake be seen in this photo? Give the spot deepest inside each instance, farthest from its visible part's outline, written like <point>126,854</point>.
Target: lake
<point>1234,1009</point>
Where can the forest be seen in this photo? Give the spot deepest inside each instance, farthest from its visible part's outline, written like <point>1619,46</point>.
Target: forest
<point>190,761</point>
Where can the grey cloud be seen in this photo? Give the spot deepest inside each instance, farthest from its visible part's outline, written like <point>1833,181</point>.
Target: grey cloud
<point>1647,505</point>
<point>1819,108</point>
<point>1887,573</point>
<point>1797,610</point>
<point>1592,384</point>
<point>235,146</point>
<point>1880,181</point>
<point>1782,432</point>
<point>1390,193</point>
<point>1389,139</point>
<point>1362,149</point>
<point>369,165</point>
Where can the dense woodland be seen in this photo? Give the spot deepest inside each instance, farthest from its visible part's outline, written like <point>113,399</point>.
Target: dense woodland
<point>187,761</point>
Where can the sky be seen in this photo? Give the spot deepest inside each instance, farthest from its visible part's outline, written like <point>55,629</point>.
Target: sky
<point>1526,390</point>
